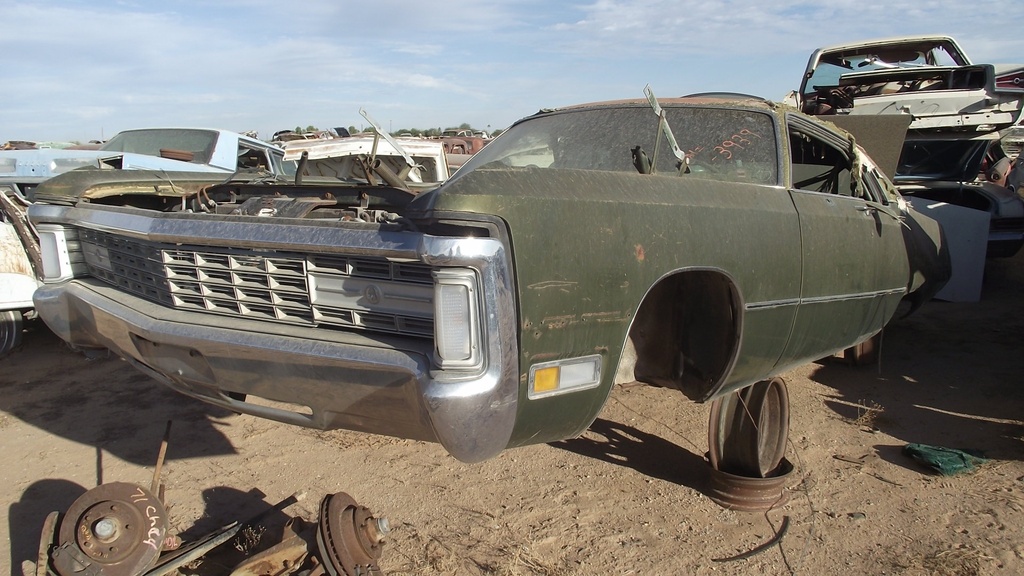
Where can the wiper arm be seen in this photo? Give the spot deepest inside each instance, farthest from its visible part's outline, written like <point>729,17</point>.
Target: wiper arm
<point>664,128</point>
<point>379,132</point>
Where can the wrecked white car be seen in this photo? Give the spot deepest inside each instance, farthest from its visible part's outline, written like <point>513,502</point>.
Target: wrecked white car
<point>413,164</point>
<point>957,113</point>
<point>929,78</point>
<point>416,163</point>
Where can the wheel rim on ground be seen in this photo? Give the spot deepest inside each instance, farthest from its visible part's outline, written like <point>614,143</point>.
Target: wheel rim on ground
<point>748,430</point>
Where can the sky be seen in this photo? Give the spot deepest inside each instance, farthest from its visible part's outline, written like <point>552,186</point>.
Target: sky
<point>79,70</point>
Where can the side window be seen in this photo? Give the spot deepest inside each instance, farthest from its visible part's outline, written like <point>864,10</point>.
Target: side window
<point>252,159</point>
<point>873,189</point>
<point>817,165</point>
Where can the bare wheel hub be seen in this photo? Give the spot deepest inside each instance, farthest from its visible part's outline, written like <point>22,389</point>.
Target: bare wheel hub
<point>350,539</point>
<point>117,528</point>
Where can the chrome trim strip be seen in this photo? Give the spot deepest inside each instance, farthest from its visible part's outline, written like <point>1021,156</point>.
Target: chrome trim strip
<point>857,296</point>
<point>768,304</point>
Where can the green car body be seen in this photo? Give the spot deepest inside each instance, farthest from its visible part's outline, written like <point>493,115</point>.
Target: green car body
<point>698,244</point>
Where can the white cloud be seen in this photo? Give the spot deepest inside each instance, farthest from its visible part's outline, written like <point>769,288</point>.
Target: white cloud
<point>81,67</point>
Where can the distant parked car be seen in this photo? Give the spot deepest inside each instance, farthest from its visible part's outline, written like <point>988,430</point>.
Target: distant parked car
<point>417,163</point>
<point>170,150</point>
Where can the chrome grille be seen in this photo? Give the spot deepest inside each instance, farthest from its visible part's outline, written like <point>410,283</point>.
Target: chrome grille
<point>330,291</point>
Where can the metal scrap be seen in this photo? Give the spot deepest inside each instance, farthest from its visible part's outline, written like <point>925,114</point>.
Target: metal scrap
<point>121,529</point>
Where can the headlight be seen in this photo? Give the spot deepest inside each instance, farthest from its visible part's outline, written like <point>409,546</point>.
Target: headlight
<point>61,252</point>
<point>456,319</point>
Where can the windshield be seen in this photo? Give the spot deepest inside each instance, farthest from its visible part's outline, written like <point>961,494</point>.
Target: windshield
<point>953,160</point>
<point>194,146</point>
<point>720,143</point>
<point>884,57</point>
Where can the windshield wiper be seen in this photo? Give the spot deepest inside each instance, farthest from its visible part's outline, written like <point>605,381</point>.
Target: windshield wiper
<point>666,130</point>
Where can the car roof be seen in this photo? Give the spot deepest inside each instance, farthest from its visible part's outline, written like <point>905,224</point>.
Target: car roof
<point>722,99</point>
<point>892,40</point>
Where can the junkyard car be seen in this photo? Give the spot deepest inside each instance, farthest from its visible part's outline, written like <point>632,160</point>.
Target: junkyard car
<point>699,244</point>
<point>171,150</point>
<point>416,163</point>
<point>929,78</point>
<point>951,170</point>
<point>18,276</point>
<point>958,111</point>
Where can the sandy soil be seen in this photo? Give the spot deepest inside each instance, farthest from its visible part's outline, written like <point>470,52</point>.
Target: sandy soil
<point>627,497</point>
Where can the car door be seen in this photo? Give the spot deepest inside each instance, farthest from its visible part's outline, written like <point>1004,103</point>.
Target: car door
<point>854,268</point>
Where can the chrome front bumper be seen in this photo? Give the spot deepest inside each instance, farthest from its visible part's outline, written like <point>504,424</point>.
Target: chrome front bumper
<point>352,379</point>
<point>350,382</point>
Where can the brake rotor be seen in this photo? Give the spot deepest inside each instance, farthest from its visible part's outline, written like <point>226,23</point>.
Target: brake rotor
<point>350,539</point>
<point>115,529</point>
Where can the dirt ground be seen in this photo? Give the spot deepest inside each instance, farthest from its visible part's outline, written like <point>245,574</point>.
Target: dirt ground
<point>627,497</point>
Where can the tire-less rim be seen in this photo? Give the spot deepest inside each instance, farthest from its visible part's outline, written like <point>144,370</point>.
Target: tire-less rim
<point>748,430</point>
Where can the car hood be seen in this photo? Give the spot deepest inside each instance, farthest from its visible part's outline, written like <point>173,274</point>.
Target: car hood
<point>96,183</point>
<point>38,165</point>
<point>880,136</point>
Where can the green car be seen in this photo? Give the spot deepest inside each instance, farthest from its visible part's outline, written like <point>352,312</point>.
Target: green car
<point>704,244</point>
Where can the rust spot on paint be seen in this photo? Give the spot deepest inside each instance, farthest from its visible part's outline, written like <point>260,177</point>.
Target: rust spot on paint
<point>559,322</point>
<point>556,284</point>
<point>604,317</point>
<point>639,252</point>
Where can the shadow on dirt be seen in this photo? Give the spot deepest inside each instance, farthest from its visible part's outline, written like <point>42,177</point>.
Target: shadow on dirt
<point>26,516</point>
<point>261,525</point>
<point>950,375</point>
<point>646,453</point>
<point>103,403</point>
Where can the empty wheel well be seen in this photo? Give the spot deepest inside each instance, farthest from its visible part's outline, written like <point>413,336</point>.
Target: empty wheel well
<point>684,335</point>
